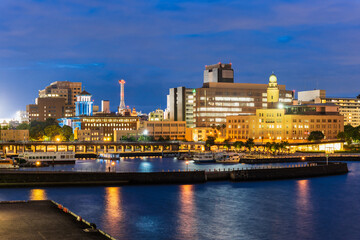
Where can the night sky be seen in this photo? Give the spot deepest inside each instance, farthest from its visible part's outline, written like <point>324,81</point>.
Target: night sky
<point>155,45</point>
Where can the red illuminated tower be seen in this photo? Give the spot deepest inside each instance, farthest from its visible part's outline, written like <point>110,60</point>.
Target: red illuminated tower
<point>122,98</point>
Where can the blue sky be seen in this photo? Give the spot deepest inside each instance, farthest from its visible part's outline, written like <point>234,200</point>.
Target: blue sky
<point>155,45</point>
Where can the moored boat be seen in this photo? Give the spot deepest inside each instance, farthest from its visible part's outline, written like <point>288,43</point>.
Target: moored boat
<point>230,158</point>
<point>47,157</point>
<point>8,163</point>
<point>204,157</point>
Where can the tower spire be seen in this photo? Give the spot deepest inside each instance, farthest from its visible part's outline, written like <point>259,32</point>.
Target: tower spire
<point>122,98</point>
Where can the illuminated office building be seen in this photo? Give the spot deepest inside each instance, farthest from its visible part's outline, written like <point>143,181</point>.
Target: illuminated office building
<point>217,100</point>
<point>220,97</point>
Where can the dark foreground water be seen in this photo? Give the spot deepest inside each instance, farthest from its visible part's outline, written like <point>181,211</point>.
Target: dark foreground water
<point>316,208</point>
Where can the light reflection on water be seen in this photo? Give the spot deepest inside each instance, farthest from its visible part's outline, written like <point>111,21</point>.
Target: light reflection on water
<point>113,214</point>
<point>37,194</point>
<point>187,212</point>
<point>304,209</point>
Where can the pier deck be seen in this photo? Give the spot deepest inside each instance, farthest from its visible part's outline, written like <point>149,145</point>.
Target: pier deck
<point>41,220</point>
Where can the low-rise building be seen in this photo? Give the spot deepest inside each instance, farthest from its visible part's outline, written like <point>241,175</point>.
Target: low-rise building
<point>202,133</point>
<point>293,123</point>
<point>14,135</point>
<point>172,130</point>
<point>157,115</point>
<point>349,107</point>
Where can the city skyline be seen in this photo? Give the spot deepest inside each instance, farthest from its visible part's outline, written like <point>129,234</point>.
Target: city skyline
<point>159,45</point>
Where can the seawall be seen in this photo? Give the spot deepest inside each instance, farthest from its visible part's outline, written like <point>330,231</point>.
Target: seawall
<point>311,170</point>
<point>32,178</point>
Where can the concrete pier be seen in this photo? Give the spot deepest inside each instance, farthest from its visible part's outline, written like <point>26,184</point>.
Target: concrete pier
<point>32,178</point>
<point>34,220</point>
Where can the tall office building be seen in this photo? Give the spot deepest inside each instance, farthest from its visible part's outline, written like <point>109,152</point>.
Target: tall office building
<point>221,97</point>
<point>217,100</point>
<point>64,89</point>
<point>180,105</point>
<point>348,107</point>
<point>47,107</point>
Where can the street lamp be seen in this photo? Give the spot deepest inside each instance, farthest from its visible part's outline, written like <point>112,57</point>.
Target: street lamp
<point>187,165</point>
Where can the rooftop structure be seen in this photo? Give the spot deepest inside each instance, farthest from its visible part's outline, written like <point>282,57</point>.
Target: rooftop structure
<point>220,72</point>
<point>84,105</point>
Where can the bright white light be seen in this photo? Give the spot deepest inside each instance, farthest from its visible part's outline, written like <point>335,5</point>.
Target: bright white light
<point>146,132</point>
<point>281,106</point>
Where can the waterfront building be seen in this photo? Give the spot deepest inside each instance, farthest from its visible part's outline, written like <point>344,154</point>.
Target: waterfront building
<point>348,107</point>
<point>172,130</point>
<point>107,123</point>
<point>46,107</point>
<point>197,134</point>
<point>14,135</point>
<point>291,123</point>
<point>280,122</point>
<point>157,115</point>
<point>88,135</point>
<point>83,104</point>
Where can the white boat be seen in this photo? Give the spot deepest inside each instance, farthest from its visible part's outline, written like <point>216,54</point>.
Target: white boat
<point>204,157</point>
<point>8,164</point>
<point>230,158</point>
<point>47,157</point>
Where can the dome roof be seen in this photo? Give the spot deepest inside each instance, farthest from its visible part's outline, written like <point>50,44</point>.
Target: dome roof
<point>272,78</point>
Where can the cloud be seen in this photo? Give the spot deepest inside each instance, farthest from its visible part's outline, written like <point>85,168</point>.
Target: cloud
<point>156,45</point>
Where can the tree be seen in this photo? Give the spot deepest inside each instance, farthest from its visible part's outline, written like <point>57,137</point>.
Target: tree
<point>316,136</point>
<point>350,134</point>
<point>238,144</point>
<point>268,146</point>
<point>161,139</point>
<point>53,131</point>
<point>67,132</point>
<point>227,144</point>
<point>250,144</point>
<point>210,141</point>
<point>23,126</point>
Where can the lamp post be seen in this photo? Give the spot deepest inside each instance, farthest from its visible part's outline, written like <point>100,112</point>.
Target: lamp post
<point>187,165</point>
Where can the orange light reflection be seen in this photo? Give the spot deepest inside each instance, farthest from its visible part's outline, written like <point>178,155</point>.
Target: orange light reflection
<point>37,194</point>
<point>187,220</point>
<point>113,214</point>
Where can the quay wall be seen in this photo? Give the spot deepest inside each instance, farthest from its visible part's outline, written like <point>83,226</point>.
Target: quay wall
<point>311,170</point>
<point>32,178</point>
<point>299,159</point>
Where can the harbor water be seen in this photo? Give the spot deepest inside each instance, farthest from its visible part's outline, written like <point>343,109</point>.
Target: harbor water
<point>314,208</point>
